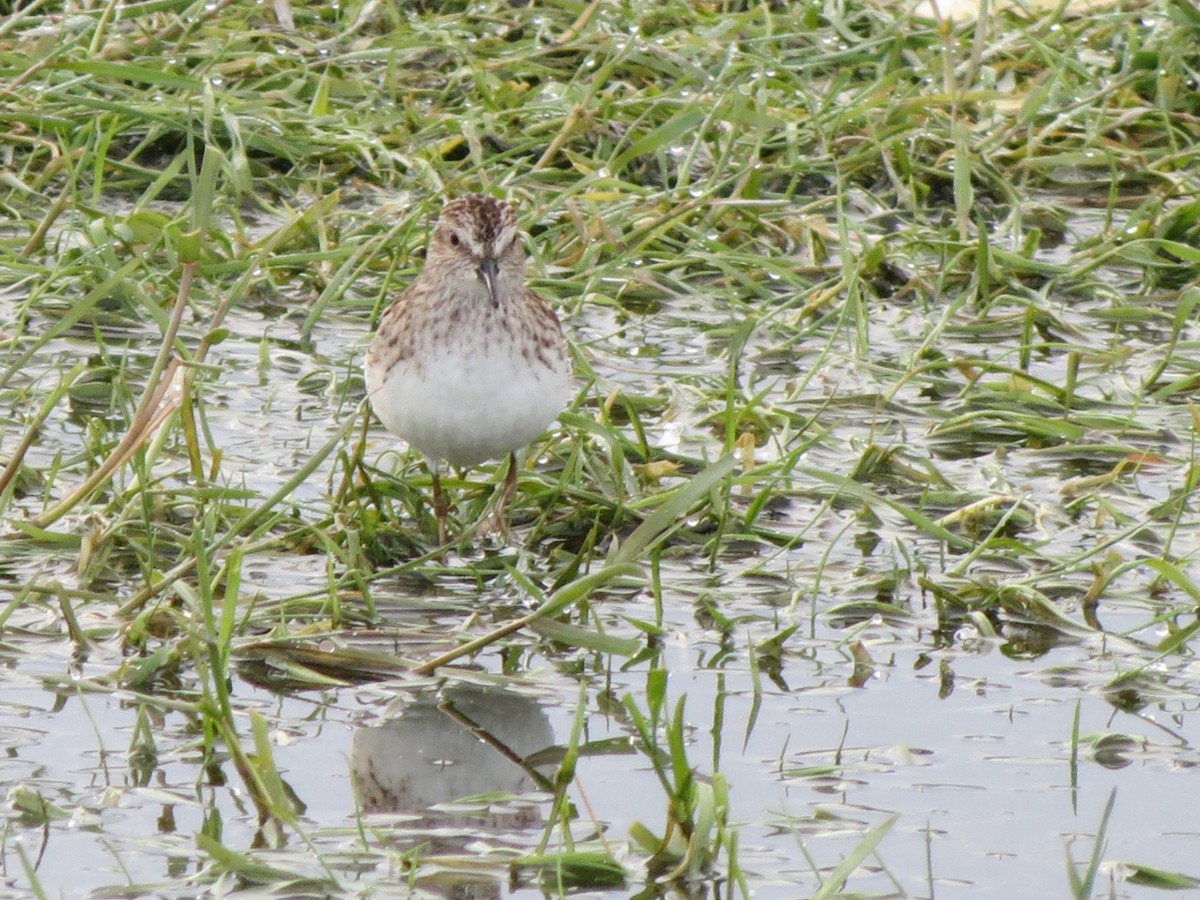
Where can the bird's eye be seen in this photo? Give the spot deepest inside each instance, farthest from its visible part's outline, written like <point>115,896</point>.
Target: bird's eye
<point>454,239</point>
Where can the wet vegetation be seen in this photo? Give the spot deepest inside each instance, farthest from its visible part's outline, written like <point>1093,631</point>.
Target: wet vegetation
<point>864,560</point>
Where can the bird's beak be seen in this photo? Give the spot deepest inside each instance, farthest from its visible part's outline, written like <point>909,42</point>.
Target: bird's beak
<point>488,270</point>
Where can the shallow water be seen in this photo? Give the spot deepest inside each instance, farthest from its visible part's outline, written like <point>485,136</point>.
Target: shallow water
<point>960,725</point>
<point>979,774</point>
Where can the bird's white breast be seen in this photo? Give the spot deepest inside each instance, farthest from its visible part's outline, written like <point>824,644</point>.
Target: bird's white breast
<point>476,398</point>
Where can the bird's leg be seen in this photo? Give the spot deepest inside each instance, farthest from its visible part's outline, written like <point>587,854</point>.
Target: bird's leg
<point>495,522</point>
<point>440,506</point>
<point>509,487</point>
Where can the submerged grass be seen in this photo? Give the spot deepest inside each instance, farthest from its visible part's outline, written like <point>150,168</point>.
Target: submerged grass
<point>932,282</point>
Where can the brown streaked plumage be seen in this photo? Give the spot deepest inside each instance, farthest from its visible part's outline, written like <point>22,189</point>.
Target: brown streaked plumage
<point>468,363</point>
